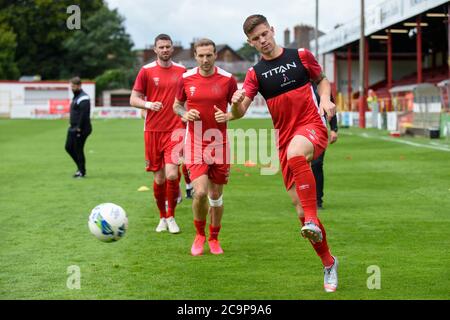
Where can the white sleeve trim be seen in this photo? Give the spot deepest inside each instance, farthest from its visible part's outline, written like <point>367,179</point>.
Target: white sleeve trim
<point>83,98</point>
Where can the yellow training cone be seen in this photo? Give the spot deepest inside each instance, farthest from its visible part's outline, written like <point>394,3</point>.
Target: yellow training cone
<point>143,188</point>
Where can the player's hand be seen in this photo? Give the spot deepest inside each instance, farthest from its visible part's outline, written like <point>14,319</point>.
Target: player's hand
<point>192,115</point>
<point>238,96</point>
<point>221,117</point>
<point>153,106</point>
<point>333,136</point>
<point>328,107</point>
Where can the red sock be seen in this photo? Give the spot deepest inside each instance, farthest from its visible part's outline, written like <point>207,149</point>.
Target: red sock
<point>213,232</point>
<point>305,186</point>
<point>187,179</point>
<point>172,192</point>
<point>200,227</point>
<point>159,191</point>
<point>321,248</point>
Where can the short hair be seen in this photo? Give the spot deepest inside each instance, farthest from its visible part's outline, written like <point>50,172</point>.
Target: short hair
<point>76,80</point>
<point>163,36</point>
<point>204,43</point>
<point>253,21</point>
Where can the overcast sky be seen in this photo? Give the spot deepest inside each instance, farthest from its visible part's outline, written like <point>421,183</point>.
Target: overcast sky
<point>222,20</point>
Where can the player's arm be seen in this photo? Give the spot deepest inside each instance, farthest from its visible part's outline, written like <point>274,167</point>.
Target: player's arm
<point>323,85</point>
<point>241,100</point>
<point>326,105</point>
<point>180,110</point>
<point>222,117</point>
<point>333,130</point>
<point>240,104</point>
<point>85,108</point>
<point>137,101</point>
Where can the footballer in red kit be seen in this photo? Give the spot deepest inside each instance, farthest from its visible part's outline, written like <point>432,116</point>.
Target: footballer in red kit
<point>154,91</point>
<point>202,99</point>
<point>284,78</point>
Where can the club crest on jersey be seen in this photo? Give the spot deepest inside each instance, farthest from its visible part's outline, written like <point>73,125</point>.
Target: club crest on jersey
<point>156,80</point>
<point>279,69</point>
<point>192,90</point>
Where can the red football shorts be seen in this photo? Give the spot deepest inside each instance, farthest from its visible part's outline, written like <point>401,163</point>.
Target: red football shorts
<point>317,134</point>
<point>213,162</point>
<point>161,148</point>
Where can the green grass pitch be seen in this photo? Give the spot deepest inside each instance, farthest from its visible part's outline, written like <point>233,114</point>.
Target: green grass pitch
<point>386,204</point>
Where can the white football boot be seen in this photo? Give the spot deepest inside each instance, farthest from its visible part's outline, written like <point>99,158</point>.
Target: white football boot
<point>330,278</point>
<point>172,225</point>
<point>162,226</point>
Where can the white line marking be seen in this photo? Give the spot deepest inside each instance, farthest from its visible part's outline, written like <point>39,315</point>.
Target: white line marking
<point>434,146</point>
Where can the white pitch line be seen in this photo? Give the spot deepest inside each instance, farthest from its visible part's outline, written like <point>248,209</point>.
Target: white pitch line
<point>410,143</point>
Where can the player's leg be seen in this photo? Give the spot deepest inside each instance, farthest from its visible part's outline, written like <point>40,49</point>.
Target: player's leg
<point>299,153</point>
<point>317,168</point>
<point>70,149</point>
<point>329,262</point>
<point>215,199</point>
<point>159,192</point>
<point>218,176</point>
<point>79,149</point>
<point>188,182</point>
<point>172,191</point>
<point>155,163</point>
<point>200,211</point>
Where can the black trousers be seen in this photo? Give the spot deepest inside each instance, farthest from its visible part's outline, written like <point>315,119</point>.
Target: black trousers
<point>317,168</point>
<point>75,147</point>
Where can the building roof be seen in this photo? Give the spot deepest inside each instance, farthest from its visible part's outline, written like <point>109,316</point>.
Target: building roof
<point>181,54</point>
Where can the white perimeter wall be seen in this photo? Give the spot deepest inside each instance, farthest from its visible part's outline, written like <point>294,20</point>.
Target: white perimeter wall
<point>12,96</point>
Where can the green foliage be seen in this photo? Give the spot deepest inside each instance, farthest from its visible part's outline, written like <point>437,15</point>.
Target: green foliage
<point>46,47</point>
<point>115,79</point>
<point>8,66</point>
<point>101,44</point>
<point>248,52</point>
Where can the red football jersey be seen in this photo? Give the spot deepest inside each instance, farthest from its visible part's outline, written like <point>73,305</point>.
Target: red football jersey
<point>203,93</point>
<point>159,84</point>
<point>285,84</point>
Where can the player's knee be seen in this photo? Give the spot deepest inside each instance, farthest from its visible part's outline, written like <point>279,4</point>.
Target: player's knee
<point>172,176</point>
<point>215,200</point>
<point>200,194</point>
<point>160,180</point>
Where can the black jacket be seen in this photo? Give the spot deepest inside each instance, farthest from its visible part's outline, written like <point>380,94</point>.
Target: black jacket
<point>80,112</point>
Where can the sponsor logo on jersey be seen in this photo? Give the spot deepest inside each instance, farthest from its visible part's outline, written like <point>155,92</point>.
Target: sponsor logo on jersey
<point>286,81</point>
<point>279,69</point>
<point>192,90</point>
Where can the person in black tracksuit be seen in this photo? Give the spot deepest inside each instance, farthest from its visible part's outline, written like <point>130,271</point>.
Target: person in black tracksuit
<point>317,164</point>
<point>80,127</point>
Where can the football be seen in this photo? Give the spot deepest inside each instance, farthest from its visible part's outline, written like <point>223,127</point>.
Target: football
<point>108,222</point>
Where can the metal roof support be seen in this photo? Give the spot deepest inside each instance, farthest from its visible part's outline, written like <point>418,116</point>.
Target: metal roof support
<point>362,90</point>
<point>419,50</point>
